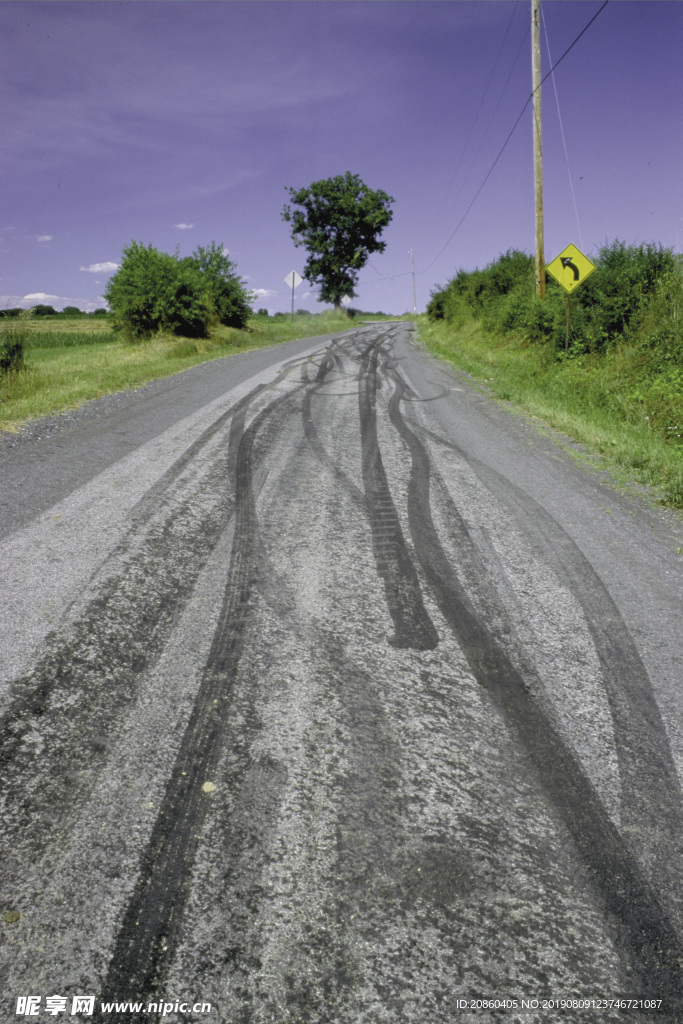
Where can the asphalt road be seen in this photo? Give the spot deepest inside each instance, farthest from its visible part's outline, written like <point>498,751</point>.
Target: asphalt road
<point>333,692</point>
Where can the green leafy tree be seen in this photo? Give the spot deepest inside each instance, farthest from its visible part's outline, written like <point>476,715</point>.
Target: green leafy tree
<point>339,223</point>
<point>223,292</point>
<point>153,291</point>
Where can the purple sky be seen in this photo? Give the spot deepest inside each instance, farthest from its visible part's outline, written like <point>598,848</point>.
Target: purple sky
<point>182,123</point>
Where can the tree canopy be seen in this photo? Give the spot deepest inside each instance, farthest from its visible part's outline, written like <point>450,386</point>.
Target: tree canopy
<point>154,291</point>
<point>339,223</point>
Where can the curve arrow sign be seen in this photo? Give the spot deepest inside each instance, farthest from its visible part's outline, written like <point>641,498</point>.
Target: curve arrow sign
<point>567,262</point>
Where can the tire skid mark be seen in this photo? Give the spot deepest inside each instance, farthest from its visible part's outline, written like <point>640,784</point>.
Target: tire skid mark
<point>413,626</point>
<point>96,662</point>
<point>319,450</point>
<point>654,817</point>
<point>94,665</point>
<point>630,899</point>
<point>149,932</point>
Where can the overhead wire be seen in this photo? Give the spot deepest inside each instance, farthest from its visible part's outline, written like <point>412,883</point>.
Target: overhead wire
<point>473,123</point>
<point>502,148</point>
<point>564,141</point>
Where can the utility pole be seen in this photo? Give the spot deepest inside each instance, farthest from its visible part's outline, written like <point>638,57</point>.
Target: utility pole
<point>412,263</point>
<point>538,150</point>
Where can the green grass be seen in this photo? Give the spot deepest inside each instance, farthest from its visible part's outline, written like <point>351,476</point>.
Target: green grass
<point>614,404</point>
<point>69,362</point>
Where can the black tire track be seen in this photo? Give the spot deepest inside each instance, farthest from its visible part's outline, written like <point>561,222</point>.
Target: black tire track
<point>311,435</point>
<point>413,626</point>
<point>644,926</point>
<point>652,803</point>
<point>148,935</point>
<point>101,657</point>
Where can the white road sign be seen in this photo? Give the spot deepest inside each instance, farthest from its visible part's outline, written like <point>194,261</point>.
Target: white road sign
<point>293,280</point>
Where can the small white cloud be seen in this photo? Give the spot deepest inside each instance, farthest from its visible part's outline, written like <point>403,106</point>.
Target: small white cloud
<point>101,268</point>
<point>183,227</point>
<point>40,297</point>
<point>44,238</point>
<point>263,293</point>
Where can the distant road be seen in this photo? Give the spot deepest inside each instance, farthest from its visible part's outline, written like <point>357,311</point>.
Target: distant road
<point>334,693</point>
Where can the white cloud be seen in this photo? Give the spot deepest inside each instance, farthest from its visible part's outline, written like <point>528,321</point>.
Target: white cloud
<point>101,268</point>
<point>263,293</point>
<point>183,227</point>
<point>44,238</point>
<point>40,297</point>
<point>45,299</point>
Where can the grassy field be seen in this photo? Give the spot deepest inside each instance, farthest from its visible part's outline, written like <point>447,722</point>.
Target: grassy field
<point>69,362</point>
<point>610,403</point>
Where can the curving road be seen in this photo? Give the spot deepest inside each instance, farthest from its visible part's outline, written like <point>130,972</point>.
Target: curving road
<point>335,693</point>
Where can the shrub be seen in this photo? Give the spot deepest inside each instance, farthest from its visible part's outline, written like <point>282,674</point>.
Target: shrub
<point>153,291</point>
<point>614,297</point>
<point>612,303</point>
<point>12,352</point>
<point>222,290</point>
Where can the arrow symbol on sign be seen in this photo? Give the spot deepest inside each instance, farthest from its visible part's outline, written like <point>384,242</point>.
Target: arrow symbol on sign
<point>567,262</point>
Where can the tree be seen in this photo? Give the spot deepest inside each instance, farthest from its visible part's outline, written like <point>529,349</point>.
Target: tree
<point>153,291</point>
<point>339,224</point>
<point>71,311</point>
<point>222,290</point>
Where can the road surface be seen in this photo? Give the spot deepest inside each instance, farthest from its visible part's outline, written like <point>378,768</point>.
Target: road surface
<point>333,692</point>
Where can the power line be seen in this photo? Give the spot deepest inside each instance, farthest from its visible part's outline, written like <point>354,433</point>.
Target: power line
<point>481,141</point>
<point>473,123</point>
<point>564,141</point>
<point>502,148</point>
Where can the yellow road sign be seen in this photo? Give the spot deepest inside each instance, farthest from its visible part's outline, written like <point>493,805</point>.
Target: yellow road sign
<point>570,268</point>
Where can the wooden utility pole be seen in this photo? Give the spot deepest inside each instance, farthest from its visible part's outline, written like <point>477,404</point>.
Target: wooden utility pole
<point>538,150</point>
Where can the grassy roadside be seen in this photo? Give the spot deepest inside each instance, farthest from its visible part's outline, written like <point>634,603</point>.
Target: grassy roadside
<point>603,401</point>
<point>69,362</point>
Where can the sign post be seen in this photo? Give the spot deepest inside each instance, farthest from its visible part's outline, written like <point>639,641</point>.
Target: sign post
<point>293,280</point>
<point>570,269</point>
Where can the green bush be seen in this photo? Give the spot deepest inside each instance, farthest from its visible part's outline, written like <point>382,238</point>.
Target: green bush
<point>154,291</point>
<point>635,290</point>
<point>221,289</point>
<point>12,352</point>
<point>151,292</point>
